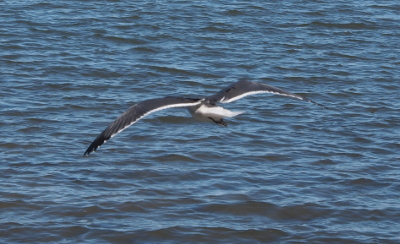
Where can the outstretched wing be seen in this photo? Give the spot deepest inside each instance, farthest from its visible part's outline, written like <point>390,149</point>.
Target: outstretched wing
<point>244,88</point>
<point>136,112</point>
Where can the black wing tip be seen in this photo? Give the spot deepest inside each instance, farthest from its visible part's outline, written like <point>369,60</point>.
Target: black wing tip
<point>100,140</point>
<point>93,147</point>
<point>322,106</point>
<point>89,150</point>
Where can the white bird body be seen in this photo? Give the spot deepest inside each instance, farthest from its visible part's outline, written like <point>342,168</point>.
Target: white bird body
<point>204,112</point>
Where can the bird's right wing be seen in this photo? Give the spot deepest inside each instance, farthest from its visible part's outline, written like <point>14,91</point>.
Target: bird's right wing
<point>245,88</point>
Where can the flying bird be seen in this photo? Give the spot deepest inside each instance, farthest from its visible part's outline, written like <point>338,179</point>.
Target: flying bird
<point>204,109</point>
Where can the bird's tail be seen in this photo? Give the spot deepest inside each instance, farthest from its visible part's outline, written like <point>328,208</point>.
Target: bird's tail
<point>231,114</point>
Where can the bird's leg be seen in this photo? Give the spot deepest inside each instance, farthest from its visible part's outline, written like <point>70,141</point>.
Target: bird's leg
<point>219,122</point>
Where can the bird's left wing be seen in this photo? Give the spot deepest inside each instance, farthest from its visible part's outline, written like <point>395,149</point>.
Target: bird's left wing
<point>135,113</point>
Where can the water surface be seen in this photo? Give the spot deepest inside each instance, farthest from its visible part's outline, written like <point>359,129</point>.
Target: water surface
<point>286,171</point>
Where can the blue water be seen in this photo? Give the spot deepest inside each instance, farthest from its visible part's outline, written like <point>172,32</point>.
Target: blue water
<point>286,171</point>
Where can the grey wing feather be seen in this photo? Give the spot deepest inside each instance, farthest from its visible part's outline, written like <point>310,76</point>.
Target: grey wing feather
<point>135,113</point>
<point>243,88</point>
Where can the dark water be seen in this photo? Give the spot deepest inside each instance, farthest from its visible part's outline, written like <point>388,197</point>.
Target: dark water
<point>286,171</point>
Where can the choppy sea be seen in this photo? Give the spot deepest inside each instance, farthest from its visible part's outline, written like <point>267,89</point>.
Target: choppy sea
<point>286,171</point>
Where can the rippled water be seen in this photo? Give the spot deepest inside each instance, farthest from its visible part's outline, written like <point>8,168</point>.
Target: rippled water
<point>286,171</point>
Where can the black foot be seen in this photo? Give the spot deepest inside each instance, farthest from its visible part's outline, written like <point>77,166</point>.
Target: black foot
<point>219,122</point>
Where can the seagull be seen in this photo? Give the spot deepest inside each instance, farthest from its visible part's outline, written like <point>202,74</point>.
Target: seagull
<point>203,109</point>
